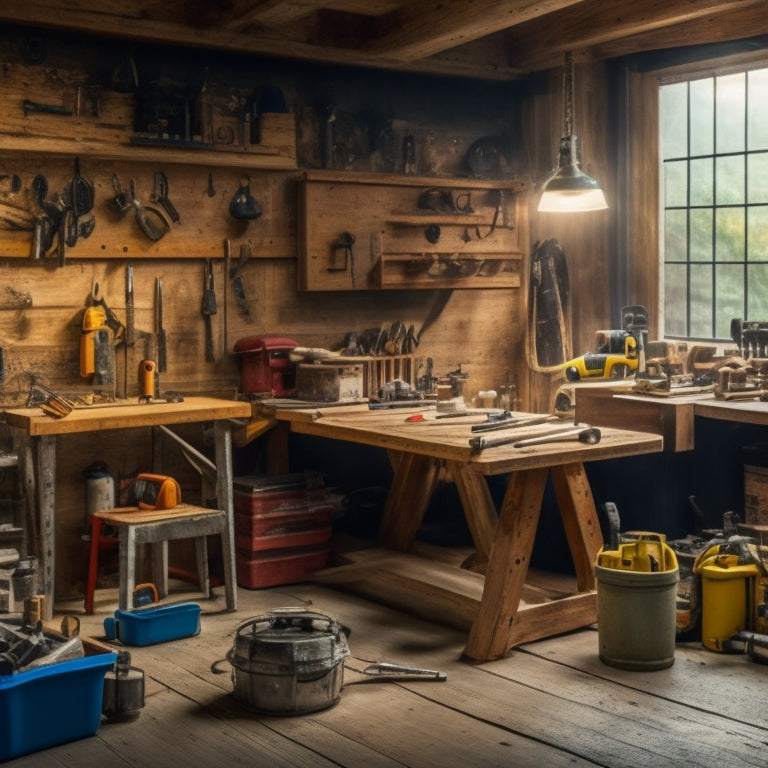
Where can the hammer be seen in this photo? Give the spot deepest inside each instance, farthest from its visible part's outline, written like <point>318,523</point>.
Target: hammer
<point>587,435</point>
<point>583,432</point>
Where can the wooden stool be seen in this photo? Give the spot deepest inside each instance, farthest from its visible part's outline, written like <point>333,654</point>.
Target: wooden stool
<point>159,526</point>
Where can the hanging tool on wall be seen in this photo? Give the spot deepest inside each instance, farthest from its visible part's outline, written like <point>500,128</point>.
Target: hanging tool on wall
<point>160,340</point>
<point>208,309</point>
<point>160,195</point>
<point>236,280</point>
<point>76,220</point>
<point>130,322</point>
<point>97,354</point>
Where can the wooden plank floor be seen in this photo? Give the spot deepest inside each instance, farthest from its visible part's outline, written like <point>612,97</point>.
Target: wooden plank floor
<point>549,703</point>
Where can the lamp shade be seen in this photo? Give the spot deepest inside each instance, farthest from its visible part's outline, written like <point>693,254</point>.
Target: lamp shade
<point>569,189</point>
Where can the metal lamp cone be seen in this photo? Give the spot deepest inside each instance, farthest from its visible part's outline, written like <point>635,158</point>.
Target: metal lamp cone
<point>569,189</point>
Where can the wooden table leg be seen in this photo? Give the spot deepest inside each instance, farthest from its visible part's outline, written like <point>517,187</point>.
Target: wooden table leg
<point>489,637</point>
<point>582,528</point>
<point>479,508</point>
<point>413,483</point>
<point>225,498</point>
<point>501,623</point>
<point>45,480</point>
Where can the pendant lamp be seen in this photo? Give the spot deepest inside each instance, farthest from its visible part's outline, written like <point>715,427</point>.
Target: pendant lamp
<point>569,189</point>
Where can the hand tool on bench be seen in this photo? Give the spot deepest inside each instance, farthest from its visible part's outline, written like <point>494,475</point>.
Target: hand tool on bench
<point>208,309</point>
<point>511,423</point>
<point>583,432</point>
<point>586,435</point>
<point>162,353</point>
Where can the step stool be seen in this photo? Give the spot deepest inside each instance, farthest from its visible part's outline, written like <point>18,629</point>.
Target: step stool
<point>158,527</point>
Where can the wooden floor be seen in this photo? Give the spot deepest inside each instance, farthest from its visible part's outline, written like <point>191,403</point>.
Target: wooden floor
<point>550,703</point>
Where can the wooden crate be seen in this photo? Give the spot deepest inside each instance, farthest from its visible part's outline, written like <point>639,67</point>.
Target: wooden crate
<point>379,369</point>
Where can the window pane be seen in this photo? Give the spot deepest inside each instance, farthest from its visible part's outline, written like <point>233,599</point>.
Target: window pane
<point>757,292</point>
<point>757,177</point>
<point>676,183</point>
<point>729,178</point>
<point>729,234</point>
<point>700,300</point>
<point>675,236</point>
<point>701,234</point>
<point>730,108</point>
<point>675,298</point>
<point>757,234</point>
<point>702,116</point>
<point>702,177</point>
<point>674,120</point>
<point>730,297</point>
<point>757,98</point>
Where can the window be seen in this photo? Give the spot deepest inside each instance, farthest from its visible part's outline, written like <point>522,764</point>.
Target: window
<point>713,147</point>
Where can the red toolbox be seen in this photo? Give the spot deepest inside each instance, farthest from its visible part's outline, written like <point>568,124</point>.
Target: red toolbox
<point>285,527</point>
<point>282,528</point>
<point>259,494</point>
<point>272,568</point>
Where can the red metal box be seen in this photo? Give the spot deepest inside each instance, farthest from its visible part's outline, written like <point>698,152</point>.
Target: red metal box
<point>285,527</point>
<point>279,566</point>
<point>265,365</point>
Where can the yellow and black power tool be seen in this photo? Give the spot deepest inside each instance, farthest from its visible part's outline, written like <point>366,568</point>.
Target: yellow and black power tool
<point>97,348</point>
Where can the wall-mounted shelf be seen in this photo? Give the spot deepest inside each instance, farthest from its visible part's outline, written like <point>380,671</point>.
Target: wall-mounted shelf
<point>52,116</point>
<point>473,238</point>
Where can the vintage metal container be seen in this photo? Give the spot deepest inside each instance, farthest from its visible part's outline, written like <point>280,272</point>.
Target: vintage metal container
<point>265,365</point>
<point>288,661</point>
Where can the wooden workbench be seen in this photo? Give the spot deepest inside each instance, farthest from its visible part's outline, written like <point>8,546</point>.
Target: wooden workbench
<point>504,541</point>
<point>613,404</point>
<point>39,434</point>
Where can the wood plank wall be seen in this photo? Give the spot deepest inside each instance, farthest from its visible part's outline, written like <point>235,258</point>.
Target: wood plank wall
<point>480,330</point>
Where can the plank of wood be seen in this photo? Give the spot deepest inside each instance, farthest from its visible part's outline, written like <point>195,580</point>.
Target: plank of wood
<point>127,415</point>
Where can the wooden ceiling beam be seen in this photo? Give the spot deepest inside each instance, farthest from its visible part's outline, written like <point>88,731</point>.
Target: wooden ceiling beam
<point>268,13</point>
<point>79,17</point>
<point>597,23</point>
<point>422,29</point>
<point>721,28</point>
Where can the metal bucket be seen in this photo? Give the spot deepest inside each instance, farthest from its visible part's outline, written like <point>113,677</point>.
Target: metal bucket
<point>288,661</point>
<point>637,603</point>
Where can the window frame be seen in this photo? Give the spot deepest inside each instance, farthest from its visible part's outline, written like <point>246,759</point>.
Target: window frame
<point>645,266</point>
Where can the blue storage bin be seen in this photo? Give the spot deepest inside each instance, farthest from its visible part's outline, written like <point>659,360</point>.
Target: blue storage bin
<point>148,626</point>
<point>51,705</point>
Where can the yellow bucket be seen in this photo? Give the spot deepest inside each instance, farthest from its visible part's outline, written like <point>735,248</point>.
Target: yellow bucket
<point>647,552</point>
<point>637,603</point>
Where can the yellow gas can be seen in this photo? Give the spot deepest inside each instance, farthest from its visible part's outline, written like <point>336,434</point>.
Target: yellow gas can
<point>728,598</point>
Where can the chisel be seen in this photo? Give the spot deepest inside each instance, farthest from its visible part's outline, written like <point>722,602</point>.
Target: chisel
<point>162,361</point>
<point>209,309</point>
<point>130,330</point>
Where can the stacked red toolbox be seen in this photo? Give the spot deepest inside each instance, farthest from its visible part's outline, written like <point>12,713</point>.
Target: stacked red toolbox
<point>282,528</point>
